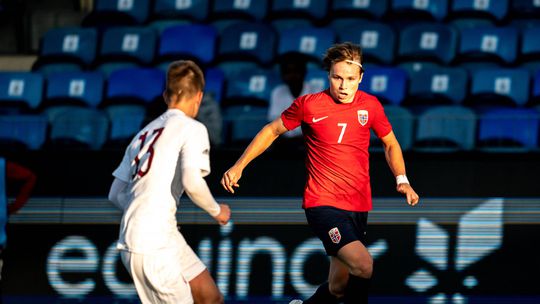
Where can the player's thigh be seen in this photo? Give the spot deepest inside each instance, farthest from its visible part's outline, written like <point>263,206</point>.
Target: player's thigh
<point>158,277</point>
<point>204,289</point>
<point>334,227</point>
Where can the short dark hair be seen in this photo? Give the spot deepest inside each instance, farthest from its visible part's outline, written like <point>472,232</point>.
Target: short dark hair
<point>184,77</point>
<point>341,52</point>
<point>298,59</point>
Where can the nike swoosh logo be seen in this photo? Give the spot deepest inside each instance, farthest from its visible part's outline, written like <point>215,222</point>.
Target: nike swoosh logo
<point>319,119</point>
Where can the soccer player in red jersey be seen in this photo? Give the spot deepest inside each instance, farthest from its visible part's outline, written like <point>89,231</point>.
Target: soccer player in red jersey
<point>336,125</point>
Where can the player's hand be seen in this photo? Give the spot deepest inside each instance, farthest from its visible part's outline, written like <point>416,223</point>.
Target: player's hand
<point>224,215</point>
<point>410,194</point>
<point>230,179</point>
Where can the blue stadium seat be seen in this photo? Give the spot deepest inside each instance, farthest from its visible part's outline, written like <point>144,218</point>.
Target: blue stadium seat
<point>435,42</point>
<point>231,67</point>
<point>446,128</point>
<point>530,45</point>
<point>535,97</point>
<point>196,42</point>
<point>433,86</point>
<point>513,129</point>
<point>508,87</point>
<point>131,44</point>
<point>434,10</point>
<point>314,10</point>
<point>495,44</point>
<point>464,24</point>
<point>525,9</point>
<point>215,81</point>
<point>388,84</point>
<point>194,10</point>
<point>135,86</point>
<point>74,88</point>
<point>312,42</point>
<point>78,128</point>
<point>242,122</point>
<point>234,9</point>
<point>364,9</point>
<point>284,25</point>
<point>22,131</point>
<point>250,41</point>
<point>402,122</point>
<point>74,45</point>
<point>107,13</point>
<point>318,79</point>
<point>20,91</point>
<point>412,67</point>
<point>162,24</point>
<point>125,122</point>
<point>378,40</point>
<point>252,86</point>
<point>495,10</point>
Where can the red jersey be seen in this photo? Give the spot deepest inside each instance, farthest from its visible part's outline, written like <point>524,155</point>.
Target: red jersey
<point>337,140</point>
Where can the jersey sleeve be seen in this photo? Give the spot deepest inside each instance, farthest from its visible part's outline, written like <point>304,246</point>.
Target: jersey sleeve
<point>122,172</point>
<point>292,116</point>
<point>381,126</point>
<point>196,150</point>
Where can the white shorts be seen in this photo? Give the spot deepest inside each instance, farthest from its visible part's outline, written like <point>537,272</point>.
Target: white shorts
<point>164,276</point>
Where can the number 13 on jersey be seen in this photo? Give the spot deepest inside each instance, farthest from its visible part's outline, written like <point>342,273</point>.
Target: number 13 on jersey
<point>149,153</point>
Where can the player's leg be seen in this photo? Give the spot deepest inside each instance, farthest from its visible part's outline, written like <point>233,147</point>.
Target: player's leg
<point>334,229</point>
<point>157,278</point>
<point>204,289</point>
<point>338,276</point>
<point>360,265</point>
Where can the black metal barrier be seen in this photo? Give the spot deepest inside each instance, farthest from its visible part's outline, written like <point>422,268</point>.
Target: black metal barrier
<point>446,248</point>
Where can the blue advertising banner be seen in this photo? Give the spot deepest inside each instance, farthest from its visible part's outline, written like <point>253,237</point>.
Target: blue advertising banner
<point>445,251</point>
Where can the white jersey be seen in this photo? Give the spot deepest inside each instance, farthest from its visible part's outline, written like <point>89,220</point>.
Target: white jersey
<point>152,167</point>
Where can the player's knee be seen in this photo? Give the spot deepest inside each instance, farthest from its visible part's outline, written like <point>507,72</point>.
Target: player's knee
<point>217,299</point>
<point>363,269</point>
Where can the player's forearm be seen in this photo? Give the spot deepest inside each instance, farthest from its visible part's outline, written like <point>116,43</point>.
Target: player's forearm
<point>394,158</point>
<point>198,191</point>
<point>258,145</point>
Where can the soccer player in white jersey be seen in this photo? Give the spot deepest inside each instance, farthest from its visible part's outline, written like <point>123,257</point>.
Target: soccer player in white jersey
<point>167,157</point>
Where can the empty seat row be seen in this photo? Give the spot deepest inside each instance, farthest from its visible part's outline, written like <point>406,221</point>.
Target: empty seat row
<point>71,127</point>
<point>25,92</point>
<point>438,128</point>
<point>141,11</point>
<point>81,48</point>
<point>458,128</point>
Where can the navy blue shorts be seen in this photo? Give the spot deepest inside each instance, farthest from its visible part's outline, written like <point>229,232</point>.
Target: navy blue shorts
<point>337,228</point>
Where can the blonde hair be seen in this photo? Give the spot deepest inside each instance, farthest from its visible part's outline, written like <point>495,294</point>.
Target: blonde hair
<point>184,78</point>
<point>346,51</point>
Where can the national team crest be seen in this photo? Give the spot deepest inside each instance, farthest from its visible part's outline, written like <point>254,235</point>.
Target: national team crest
<point>363,117</point>
<point>334,234</point>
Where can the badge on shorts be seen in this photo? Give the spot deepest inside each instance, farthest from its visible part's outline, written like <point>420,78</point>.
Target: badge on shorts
<point>334,234</point>
<point>363,117</point>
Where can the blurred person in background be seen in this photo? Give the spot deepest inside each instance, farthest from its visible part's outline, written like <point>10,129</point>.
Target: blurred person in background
<point>293,71</point>
<point>15,178</point>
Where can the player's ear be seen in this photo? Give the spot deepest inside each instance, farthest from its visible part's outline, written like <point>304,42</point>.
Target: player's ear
<point>361,76</point>
<point>165,97</point>
<point>200,96</point>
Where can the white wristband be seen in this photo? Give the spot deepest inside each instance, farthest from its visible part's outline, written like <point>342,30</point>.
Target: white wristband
<point>402,179</point>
